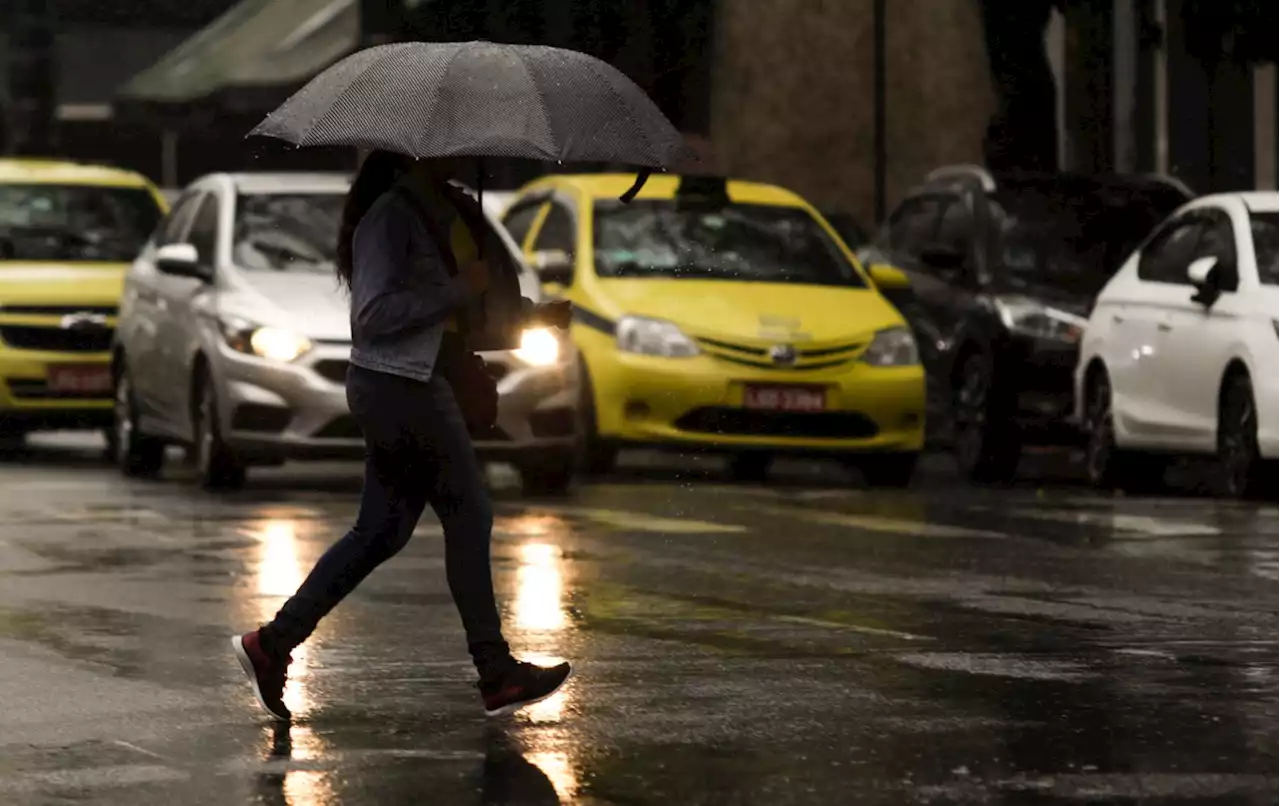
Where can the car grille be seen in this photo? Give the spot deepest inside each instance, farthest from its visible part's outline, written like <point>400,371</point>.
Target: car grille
<point>38,390</point>
<point>808,358</point>
<point>58,310</point>
<point>260,419</point>
<point>332,369</point>
<point>745,422</point>
<point>344,427</point>
<point>56,339</point>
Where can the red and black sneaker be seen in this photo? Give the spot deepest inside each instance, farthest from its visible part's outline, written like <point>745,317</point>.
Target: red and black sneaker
<point>522,684</point>
<point>265,671</point>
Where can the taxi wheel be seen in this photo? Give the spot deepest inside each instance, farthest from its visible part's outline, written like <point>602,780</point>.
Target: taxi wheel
<point>549,475</point>
<point>596,455</point>
<point>12,438</point>
<point>750,466</point>
<point>136,454</point>
<point>216,467</point>
<point>887,469</point>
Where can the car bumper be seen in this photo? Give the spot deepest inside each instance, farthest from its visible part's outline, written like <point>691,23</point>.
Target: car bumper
<point>1043,378</point>
<point>26,399</point>
<point>275,412</point>
<point>700,403</point>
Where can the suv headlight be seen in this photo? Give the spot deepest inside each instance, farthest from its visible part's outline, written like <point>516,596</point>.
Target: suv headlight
<point>638,334</point>
<point>1027,317</point>
<point>539,347</point>
<point>271,343</point>
<point>892,347</point>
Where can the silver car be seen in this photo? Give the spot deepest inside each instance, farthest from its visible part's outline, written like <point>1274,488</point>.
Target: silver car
<point>233,341</point>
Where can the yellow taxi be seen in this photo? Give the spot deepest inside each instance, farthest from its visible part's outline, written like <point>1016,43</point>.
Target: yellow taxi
<point>68,232</point>
<point>725,316</point>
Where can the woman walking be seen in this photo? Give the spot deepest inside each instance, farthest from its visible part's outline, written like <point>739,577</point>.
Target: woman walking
<point>409,252</point>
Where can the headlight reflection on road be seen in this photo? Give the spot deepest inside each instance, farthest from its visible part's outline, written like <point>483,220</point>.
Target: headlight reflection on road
<point>559,771</point>
<point>539,604</point>
<point>279,572</point>
<point>295,787</point>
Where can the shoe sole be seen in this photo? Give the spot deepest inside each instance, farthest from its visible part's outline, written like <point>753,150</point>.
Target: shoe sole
<point>516,706</point>
<point>237,646</point>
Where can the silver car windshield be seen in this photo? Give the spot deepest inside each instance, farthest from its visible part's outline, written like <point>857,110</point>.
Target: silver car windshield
<point>287,232</point>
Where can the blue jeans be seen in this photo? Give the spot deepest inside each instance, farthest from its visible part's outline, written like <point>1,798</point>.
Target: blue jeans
<point>418,451</point>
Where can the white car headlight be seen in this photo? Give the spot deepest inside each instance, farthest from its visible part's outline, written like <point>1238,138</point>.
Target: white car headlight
<point>638,334</point>
<point>539,347</point>
<point>1027,317</point>
<point>271,343</point>
<point>892,347</point>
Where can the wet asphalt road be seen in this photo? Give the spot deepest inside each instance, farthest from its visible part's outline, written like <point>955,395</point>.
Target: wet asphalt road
<point>801,643</point>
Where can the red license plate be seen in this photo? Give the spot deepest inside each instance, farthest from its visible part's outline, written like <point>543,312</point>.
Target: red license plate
<point>785,398</point>
<point>82,379</point>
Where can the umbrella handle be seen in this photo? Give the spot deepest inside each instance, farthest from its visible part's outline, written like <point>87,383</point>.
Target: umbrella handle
<point>641,178</point>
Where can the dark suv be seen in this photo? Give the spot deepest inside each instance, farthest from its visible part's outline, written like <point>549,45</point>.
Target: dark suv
<point>1004,269</point>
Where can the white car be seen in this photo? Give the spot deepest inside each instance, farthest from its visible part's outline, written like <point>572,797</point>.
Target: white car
<point>1180,354</point>
<point>233,340</point>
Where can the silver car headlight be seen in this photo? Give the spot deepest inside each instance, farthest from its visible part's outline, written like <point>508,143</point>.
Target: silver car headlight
<point>644,336</point>
<point>1027,317</point>
<point>892,347</point>
<point>271,343</point>
<point>539,347</point>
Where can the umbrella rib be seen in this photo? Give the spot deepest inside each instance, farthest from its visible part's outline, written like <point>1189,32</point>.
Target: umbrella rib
<point>618,100</point>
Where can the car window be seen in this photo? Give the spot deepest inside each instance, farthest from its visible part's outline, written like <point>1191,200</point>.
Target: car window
<point>286,232</point>
<point>1218,240</point>
<point>174,225</point>
<point>912,225</point>
<point>75,223</point>
<point>204,230</point>
<point>744,242</point>
<point>955,228</point>
<point>557,232</point>
<point>1167,255</point>
<point>1262,226</point>
<point>519,219</point>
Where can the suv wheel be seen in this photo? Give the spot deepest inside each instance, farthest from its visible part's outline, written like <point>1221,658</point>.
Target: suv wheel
<point>547,475</point>
<point>985,440</point>
<point>596,455</point>
<point>1242,472</point>
<point>216,467</point>
<point>136,454</point>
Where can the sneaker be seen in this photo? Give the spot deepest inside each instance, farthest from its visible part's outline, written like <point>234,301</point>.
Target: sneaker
<point>266,673</point>
<point>523,684</point>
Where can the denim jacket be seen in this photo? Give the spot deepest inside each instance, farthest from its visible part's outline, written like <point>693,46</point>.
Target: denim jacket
<point>401,293</point>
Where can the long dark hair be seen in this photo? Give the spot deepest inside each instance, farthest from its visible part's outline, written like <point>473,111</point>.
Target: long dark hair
<point>379,171</point>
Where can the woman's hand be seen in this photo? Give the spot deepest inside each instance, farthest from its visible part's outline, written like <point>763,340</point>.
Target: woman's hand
<point>555,314</point>
<point>476,276</point>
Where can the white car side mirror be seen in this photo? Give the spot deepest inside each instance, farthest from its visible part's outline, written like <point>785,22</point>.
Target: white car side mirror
<point>1200,268</point>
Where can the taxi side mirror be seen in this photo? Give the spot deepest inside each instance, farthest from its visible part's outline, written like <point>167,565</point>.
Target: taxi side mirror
<point>886,276</point>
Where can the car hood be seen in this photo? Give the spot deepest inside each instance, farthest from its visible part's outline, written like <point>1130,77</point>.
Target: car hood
<point>1074,301</point>
<point>738,310</point>
<point>61,284</point>
<point>310,305</point>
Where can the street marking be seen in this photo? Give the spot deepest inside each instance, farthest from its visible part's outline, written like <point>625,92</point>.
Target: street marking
<point>643,522</point>
<point>1143,525</point>
<point>879,523</point>
<point>836,625</point>
<point>137,749</point>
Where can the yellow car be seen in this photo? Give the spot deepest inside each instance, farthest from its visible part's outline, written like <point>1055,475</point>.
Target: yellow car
<point>724,316</point>
<point>68,232</point>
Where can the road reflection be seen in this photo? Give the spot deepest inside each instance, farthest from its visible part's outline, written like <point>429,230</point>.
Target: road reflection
<point>283,784</point>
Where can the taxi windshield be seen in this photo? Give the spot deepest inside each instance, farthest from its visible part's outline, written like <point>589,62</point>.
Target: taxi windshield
<point>75,223</point>
<point>743,242</point>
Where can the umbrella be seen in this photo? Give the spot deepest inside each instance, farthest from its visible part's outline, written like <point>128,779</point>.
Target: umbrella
<point>480,99</point>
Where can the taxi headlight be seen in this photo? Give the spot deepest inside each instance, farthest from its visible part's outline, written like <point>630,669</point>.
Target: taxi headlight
<point>639,334</point>
<point>539,347</point>
<point>892,347</point>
